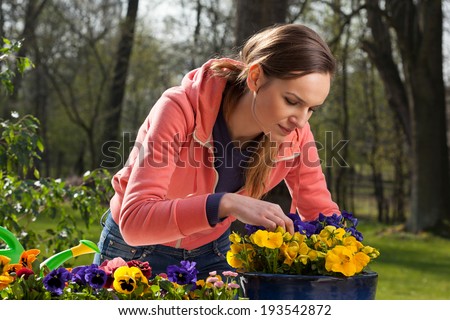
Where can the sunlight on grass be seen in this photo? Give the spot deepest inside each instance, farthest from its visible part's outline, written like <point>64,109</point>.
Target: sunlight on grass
<point>410,266</point>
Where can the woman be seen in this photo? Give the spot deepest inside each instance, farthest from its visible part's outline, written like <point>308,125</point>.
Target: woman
<point>213,146</point>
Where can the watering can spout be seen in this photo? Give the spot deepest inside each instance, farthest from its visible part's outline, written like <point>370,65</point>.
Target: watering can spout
<point>84,247</point>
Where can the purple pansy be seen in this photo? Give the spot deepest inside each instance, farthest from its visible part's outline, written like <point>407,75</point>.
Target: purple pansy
<point>78,275</point>
<point>89,275</point>
<point>344,220</point>
<point>95,277</point>
<point>56,280</point>
<point>184,274</point>
<point>252,229</point>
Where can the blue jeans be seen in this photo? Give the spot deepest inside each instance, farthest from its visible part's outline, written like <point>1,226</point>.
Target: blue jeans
<point>209,257</point>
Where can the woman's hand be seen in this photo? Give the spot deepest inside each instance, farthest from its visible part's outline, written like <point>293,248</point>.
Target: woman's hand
<point>253,211</point>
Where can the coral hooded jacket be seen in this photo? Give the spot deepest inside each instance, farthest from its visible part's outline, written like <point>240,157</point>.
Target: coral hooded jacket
<point>160,193</point>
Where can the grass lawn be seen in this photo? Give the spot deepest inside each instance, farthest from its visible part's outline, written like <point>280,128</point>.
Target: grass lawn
<point>410,267</point>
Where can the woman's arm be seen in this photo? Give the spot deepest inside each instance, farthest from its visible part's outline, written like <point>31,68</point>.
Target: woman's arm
<point>307,184</point>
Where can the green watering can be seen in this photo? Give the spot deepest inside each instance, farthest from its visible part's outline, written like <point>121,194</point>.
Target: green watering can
<point>15,250</point>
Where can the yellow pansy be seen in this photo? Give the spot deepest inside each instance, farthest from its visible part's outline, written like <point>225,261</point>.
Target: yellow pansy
<point>138,276</point>
<point>304,253</point>
<point>124,282</point>
<point>235,238</point>
<point>298,237</point>
<point>4,261</point>
<point>5,280</point>
<point>200,283</point>
<point>353,244</point>
<point>233,260</point>
<point>360,260</point>
<point>266,239</point>
<point>371,252</point>
<point>340,259</point>
<point>313,255</point>
<point>290,251</point>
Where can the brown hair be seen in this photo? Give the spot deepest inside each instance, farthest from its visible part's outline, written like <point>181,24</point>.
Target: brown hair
<point>285,52</point>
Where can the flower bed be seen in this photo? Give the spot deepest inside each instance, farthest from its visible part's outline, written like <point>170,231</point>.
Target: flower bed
<point>112,280</point>
<point>329,246</point>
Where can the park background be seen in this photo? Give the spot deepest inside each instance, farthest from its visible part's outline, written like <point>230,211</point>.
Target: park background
<point>70,115</point>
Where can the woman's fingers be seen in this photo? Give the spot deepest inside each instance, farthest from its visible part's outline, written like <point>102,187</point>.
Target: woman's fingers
<point>255,212</point>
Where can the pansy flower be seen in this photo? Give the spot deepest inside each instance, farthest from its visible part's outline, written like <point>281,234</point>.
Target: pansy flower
<point>4,261</point>
<point>266,239</point>
<point>184,274</point>
<point>24,272</point>
<point>144,266</point>
<point>95,277</point>
<point>55,281</point>
<point>110,266</point>
<point>28,257</point>
<point>126,279</point>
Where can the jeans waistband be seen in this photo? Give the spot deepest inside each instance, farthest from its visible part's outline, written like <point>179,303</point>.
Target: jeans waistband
<point>223,240</point>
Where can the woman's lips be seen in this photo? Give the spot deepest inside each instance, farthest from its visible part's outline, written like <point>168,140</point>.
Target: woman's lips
<point>285,130</point>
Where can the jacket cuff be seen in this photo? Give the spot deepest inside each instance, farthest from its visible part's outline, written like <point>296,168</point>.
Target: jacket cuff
<point>212,208</point>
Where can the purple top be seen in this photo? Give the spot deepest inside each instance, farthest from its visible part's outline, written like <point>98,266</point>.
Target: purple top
<point>230,161</point>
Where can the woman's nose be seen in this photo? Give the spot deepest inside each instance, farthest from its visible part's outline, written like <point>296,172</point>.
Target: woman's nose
<point>301,118</point>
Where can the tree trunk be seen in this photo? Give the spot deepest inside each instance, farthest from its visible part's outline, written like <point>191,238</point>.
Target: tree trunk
<point>32,12</point>
<point>418,26</point>
<point>380,53</point>
<point>341,176</point>
<point>113,108</point>
<point>419,29</point>
<point>254,15</point>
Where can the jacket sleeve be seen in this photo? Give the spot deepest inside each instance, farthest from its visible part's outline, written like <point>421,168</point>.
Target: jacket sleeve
<point>307,184</point>
<point>146,215</point>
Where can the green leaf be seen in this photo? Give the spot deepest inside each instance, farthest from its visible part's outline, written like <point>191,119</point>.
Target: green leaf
<point>40,145</point>
<point>36,173</point>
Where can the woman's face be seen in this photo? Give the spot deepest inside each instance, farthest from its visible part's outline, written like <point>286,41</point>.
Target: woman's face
<point>283,105</point>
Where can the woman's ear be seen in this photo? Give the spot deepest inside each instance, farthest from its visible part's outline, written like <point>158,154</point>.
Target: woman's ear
<point>254,77</point>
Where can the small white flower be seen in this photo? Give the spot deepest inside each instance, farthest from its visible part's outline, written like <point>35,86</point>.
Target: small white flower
<point>14,114</point>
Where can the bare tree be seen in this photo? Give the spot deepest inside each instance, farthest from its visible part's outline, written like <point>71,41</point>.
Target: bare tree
<point>418,96</point>
<point>113,107</point>
<point>33,10</point>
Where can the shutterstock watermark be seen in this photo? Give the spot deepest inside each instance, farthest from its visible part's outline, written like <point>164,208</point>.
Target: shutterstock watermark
<point>190,153</point>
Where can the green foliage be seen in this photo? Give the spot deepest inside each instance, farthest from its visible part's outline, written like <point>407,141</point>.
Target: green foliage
<point>9,61</point>
<point>20,145</point>
<point>24,199</point>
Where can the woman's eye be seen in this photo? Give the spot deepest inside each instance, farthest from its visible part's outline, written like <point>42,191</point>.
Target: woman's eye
<point>290,102</point>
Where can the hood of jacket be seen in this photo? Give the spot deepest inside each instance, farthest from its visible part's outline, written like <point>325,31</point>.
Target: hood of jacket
<point>204,91</point>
